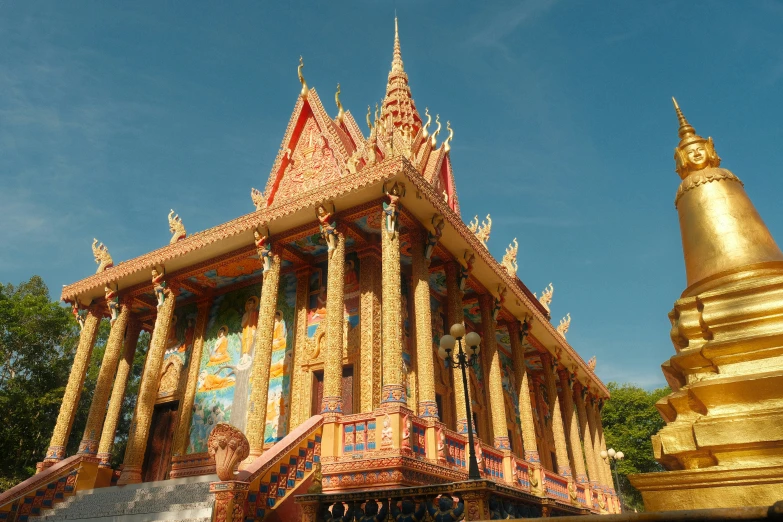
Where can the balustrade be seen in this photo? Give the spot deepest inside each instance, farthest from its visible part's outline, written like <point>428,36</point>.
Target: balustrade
<point>556,486</point>
<point>522,473</point>
<point>455,449</point>
<point>492,463</point>
<point>358,434</point>
<point>418,439</point>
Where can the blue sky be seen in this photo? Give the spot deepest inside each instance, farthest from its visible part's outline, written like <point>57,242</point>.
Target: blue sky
<point>111,113</point>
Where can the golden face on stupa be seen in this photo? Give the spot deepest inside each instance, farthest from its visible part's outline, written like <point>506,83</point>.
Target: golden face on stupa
<point>696,154</point>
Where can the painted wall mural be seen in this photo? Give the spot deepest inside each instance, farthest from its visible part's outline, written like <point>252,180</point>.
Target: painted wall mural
<point>223,385</point>
<point>279,398</point>
<point>316,310</point>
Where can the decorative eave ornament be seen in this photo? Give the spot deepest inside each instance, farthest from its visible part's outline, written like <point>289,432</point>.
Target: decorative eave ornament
<point>176,228</point>
<point>591,363</point>
<point>340,111</point>
<point>102,256</point>
<point>565,323</point>
<point>481,231</point>
<point>546,296</point>
<point>447,143</point>
<point>510,258</point>
<point>259,199</point>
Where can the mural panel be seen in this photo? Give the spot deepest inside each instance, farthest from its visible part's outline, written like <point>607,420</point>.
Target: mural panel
<point>316,310</point>
<point>224,370</point>
<point>279,398</point>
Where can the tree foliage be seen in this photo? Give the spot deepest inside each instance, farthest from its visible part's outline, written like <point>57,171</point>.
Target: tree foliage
<point>38,340</point>
<point>629,420</point>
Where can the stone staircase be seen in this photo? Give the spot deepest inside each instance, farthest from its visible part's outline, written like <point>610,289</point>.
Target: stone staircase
<point>185,499</point>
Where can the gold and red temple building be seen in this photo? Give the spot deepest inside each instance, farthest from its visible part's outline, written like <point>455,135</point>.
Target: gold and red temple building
<point>329,299</point>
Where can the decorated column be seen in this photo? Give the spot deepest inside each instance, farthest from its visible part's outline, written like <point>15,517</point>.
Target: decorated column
<point>607,469</point>
<point>148,389</point>
<point>103,387</point>
<point>393,390</point>
<point>423,312</point>
<point>572,427</point>
<point>262,358</point>
<point>585,432</point>
<point>370,358</point>
<point>496,403</point>
<point>300,384</point>
<point>73,390</point>
<point>332,401</point>
<point>525,408</point>
<point>558,432</point>
<point>455,314</point>
<point>118,392</point>
<point>182,435</point>
<point>601,475</point>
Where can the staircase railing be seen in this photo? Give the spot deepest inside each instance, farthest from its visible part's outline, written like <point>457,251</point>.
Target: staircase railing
<point>50,486</point>
<point>282,469</point>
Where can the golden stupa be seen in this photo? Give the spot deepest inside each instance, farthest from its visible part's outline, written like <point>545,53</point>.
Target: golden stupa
<point>723,440</point>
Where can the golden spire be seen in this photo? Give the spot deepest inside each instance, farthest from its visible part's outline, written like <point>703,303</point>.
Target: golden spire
<point>693,153</point>
<point>305,90</point>
<point>398,104</point>
<point>722,233</point>
<point>397,65</point>
<point>340,111</point>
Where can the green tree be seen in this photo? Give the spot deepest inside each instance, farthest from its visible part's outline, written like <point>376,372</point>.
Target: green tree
<point>38,340</point>
<point>629,420</point>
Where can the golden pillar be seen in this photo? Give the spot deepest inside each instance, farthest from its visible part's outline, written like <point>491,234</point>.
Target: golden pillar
<point>182,435</point>
<point>525,408</point>
<point>586,433</point>
<point>558,432</point>
<point>118,392</point>
<point>100,397</point>
<point>335,317</point>
<point>497,404</point>
<point>455,314</point>
<point>300,383</point>
<point>723,440</point>
<point>73,389</point>
<point>370,308</point>
<point>262,358</point>
<point>607,468</point>
<point>148,391</point>
<point>422,311</point>
<point>602,475</point>
<point>572,427</point>
<point>393,390</point>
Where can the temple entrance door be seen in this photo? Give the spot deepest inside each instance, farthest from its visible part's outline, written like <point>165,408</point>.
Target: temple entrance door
<point>157,458</point>
<point>318,391</point>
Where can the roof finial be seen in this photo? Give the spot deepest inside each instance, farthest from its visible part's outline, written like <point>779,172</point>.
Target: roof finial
<point>434,138</point>
<point>397,60</point>
<point>340,111</point>
<point>425,130</point>
<point>685,128</point>
<point>305,90</point>
<point>446,145</point>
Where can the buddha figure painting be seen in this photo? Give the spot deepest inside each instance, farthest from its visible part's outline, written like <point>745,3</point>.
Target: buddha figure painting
<point>220,353</point>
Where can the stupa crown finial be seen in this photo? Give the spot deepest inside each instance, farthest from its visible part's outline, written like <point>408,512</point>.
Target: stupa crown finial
<point>693,153</point>
<point>397,65</point>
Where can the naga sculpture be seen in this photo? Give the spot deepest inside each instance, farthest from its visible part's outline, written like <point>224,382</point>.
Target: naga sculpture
<point>565,323</point>
<point>176,228</point>
<point>102,257</point>
<point>259,200</point>
<point>509,261</point>
<point>546,296</point>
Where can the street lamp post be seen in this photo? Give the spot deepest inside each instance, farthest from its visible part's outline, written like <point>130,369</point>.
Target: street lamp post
<point>612,457</point>
<point>462,360</point>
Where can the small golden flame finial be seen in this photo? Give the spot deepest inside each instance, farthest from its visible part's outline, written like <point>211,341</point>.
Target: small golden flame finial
<point>369,123</point>
<point>305,90</point>
<point>425,131</point>
<point>447,143</point>
<point>693,153</point>
<point>340,111</point>
<point>434,140</point>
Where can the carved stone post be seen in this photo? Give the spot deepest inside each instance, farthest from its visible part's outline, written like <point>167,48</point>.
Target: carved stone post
<point>476,504</point>
<point>606,468</point>
<point>601,475</point>
<point>118,392</point>
<point>558,432</point>
<point>572,427</point>
<point>148,389</point>
<point>262,358</point>
<point>182,435</point>
<point>300,384</point>
<point>73,390</point>
<point>586,433</point>
<point>428,407</point>
<point>370,359</point>
<point>526,410</point>
<point>332,402</point>
<point>455,314</point>
<point>496,401</point>
<point>393,390</point>
<point>100,397</point>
